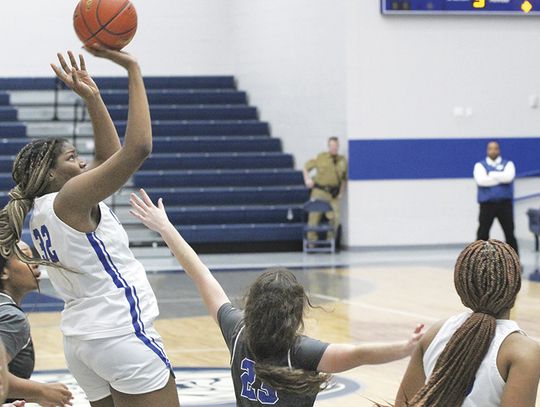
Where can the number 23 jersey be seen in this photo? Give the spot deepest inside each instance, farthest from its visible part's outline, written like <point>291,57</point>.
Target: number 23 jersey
<point>305,354</point>
<point>107,294</point>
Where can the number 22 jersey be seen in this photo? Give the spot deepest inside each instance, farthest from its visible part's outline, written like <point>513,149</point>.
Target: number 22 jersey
<point>107,294</point>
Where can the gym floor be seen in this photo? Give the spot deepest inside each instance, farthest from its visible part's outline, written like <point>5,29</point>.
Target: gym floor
<point>377,295</point>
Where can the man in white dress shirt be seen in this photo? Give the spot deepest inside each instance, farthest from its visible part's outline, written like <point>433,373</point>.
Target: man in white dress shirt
<point>495,179</point>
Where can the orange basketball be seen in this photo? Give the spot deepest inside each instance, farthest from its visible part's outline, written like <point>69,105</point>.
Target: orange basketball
<point>111,23</point>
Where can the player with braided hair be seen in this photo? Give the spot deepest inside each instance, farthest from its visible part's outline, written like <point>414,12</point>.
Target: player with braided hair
<point>111,347</point>
<point>478,358</point>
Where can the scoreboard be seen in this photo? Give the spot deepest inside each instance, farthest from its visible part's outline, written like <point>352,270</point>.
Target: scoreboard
<point>470,7</point>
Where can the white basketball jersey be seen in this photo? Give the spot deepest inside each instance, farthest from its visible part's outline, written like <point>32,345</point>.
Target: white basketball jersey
<point>488,384</point>
<point>109,293</point>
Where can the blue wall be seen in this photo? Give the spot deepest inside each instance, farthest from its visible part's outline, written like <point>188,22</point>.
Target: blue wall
<point>434,158</point>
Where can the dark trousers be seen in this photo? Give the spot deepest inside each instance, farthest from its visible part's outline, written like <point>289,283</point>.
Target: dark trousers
<point>504,212</point>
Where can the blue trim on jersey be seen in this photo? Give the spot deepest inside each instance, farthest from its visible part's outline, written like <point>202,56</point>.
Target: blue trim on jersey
<point>131,296</point>
<point>114,216</point>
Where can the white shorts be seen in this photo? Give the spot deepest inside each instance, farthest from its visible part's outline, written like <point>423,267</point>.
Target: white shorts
<point>131,364</point>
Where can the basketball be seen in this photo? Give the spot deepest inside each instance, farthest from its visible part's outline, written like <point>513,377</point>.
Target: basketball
<point>111,23</point>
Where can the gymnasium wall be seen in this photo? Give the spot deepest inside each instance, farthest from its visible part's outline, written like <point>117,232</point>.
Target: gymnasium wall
<point>288,55</point>
<point>184,36</point>
<point>317,68</point>
<point>443,83</point>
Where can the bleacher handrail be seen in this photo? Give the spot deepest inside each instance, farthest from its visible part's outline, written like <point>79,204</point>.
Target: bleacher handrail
<point>526,197</point>
<point>58,86</point>
<point>75,133</point>
<point>526,174</point>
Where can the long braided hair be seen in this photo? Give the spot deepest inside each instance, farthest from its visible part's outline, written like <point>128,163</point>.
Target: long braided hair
<point>487,278</point>
<point>30,173</point>
<point>273,317</point>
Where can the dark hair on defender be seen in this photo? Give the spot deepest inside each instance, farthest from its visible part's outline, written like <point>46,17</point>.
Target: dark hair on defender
<point>274,316</point>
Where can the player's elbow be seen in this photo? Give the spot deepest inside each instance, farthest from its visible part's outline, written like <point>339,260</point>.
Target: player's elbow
<point>142,150</point>
<point>137,153</point>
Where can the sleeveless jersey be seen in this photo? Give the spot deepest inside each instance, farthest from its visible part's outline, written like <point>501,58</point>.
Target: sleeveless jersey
<point>107,294</point>
<point>488,384</point>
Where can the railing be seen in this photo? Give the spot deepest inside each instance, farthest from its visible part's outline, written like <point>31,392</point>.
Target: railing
<point>526,197</point>
<point>527,174</point>
<point>58,86</point>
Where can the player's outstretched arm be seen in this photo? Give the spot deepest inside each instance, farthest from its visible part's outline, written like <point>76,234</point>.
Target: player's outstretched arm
<point>83,192</point>
<point>341,357</point>
<point>523,355</point>
<point>155,218</point>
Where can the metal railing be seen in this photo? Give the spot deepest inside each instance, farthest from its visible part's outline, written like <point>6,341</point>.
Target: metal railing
<point>528,174</point>
<point>58,86</point>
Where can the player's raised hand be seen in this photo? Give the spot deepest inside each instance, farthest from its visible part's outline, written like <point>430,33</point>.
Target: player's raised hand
<point>152,216</point>
<point>75,76</point>
<point>122,58</point>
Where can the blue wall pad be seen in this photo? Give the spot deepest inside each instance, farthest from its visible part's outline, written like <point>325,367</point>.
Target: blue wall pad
<point>434,158</point>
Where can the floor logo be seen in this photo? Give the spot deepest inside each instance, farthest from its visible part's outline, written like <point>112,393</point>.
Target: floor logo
<point>196,386</point>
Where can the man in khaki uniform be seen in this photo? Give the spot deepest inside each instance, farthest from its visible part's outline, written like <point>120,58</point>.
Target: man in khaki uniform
<point>328,183</point>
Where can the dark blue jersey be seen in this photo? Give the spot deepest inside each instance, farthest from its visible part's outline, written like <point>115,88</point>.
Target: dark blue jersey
<point>15,334</point>
<point>305,354</point>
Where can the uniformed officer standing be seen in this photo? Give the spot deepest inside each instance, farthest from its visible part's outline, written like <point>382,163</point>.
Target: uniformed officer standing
<point>328,183</point>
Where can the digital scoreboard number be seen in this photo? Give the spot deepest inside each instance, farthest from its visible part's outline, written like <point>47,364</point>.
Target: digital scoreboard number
<point>472,7</point>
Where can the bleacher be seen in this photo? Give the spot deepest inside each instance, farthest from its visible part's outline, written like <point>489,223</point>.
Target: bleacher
<point>226,182</point>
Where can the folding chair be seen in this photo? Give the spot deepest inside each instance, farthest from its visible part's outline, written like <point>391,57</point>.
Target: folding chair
<point>324,228</point>
<point>534,225</point>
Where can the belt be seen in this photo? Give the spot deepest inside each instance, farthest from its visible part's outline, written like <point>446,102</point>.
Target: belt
<point>326,188</point>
